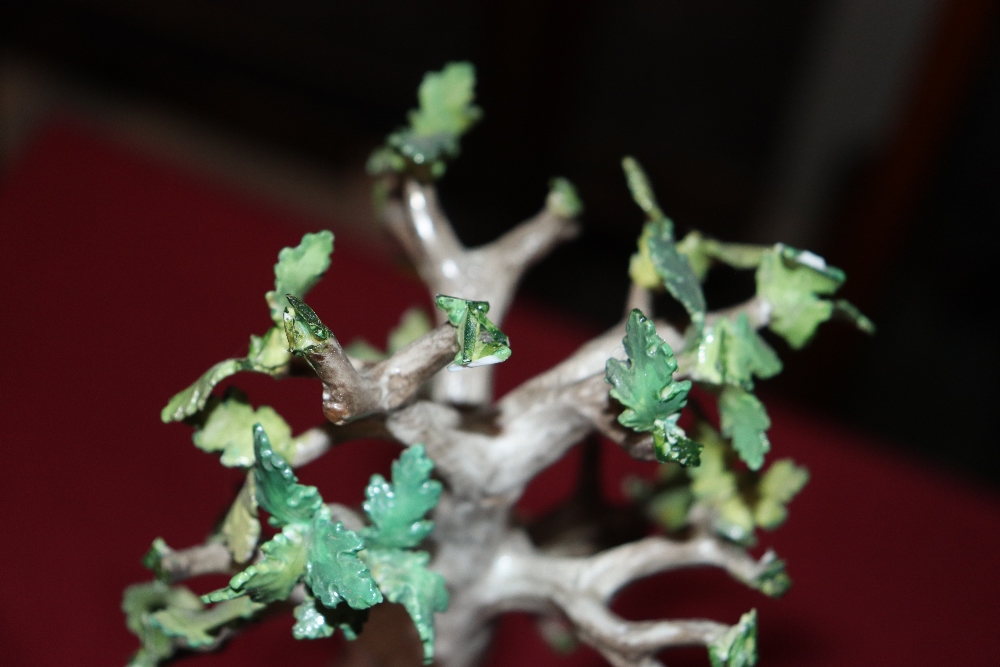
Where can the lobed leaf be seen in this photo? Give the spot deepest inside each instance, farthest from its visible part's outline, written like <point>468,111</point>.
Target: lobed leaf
<point>396,510</point>
<point>702,252</point>
<point>744,419</point>
<point>240,529</point>
<point>334,572</point>
<point>273,578</point>
<point>277,487</point>
<point>298,269</point>
<point>193,626</point>
<point>645,386</point>
<point>403,578</point>
<point>782,482</point>
<point>314,621</point>
<point>142,600</point>
<point>193,399</point>
<point>733,353</point>
<point>228,428</point>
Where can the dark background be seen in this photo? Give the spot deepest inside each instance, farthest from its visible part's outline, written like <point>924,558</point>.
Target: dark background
<point>868,132</point>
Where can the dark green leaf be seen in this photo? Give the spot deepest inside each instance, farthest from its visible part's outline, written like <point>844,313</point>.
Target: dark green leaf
<point>480,342</point>
<point>745,420</point>
<point>403,578</point>
<point>278,490</point>
<point>773,581</point>
<point>396,510</point>
<point>304,331</point>
<point>334,572</point>
<point>738,647</point>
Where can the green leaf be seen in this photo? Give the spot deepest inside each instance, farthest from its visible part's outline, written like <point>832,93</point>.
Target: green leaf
<point>738,647</point>
<point>641,269</point>
<point>773,581</point>
<point>782,482</point>
<point>314,621</point>
<point>228,428</point>
<point>563,200</point>
<point>193,626</point>
<point>278,490</point>
<point>850,312</point>
<point>733,353</point>
<point>304,331</point>
<point>188,402</point>
<point>645,386</point>
<point>274,577</point>
<point>153,559</point>
<point>641,188</point>
<point>240,529</point>
<point>396,510</point>
<point>745,420</point>
<point>412,325</point>
<point>792,281</point>
<point>403,578</point>
<point>702,252</point>
<point>674,269</point>
<point>670,508</point>
<point>714,484</point>
<point>333,572</point>
<point>298,269</point>
<point>142,600</point>
<point>268,353</point>
<point>446,101</point>
<point>480,342</point>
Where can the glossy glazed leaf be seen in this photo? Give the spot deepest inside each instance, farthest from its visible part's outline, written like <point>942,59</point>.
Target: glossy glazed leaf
<point>274,577</point>
<point>277,487</point>
<point>397,510</point>
<point>744,419</point>
<point>228,428</point>
<point>715,484</point>
<point>190,401</point>
<point>194,627</point>
<point>334,572</point>
<point>314,621</point>
<point>563,200</point>
<point>480,342</point>
<point>674,269</point>
<point>782,482</point>
<point>240,529</point>
<point>738,647</point>
<point>792,281</point>
<point>733,353</point>
<point>268,353</point>
<point>645,386</point>
<point>298,269</point>
<point>304,331</point>
<point>403,578</point>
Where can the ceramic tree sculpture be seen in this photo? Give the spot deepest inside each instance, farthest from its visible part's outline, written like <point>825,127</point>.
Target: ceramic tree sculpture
<point>466,459</point>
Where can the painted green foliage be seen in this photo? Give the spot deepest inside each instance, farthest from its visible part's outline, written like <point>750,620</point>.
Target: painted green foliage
<point>645,386</point>
<point>738,647</point>
<point>731,352</point>
<point>304,331</point>
<point>297,270</point>
<point>346,572</point>
<point>658,262</point>
<point>446,112</point>
<point>481,342</point>
<point>228,428</point>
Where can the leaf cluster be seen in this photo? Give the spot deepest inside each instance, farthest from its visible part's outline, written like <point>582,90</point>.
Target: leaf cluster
<point>480,342</point>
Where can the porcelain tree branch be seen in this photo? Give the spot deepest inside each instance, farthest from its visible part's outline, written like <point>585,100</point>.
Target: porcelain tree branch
<point>488,273</point>
<point>211,557</point>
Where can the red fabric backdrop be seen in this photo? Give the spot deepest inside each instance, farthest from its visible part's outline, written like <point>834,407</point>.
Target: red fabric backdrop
<point>128,277</point>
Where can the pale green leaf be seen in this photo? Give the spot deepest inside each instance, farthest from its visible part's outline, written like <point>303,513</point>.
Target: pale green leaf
<point>268,353</point>
<point>792,281</point>
<point>850,312</point>
<point>334,572</point>
<point>446,101</point>
<point>641,188</point>
<point>738,646</point>
<point>273,578</point>
<point>702,252</point>
<point>563,200</point>
<point>139,602</point>
<point>782,482</point>
<point>188,402</point>
<point>403,578</point>
<point>314,621</point>
<point>670,508</point>
<point>397,510</point>
<point>193,627</point>
<point>744,419</point>
<point>412,325</point>
<point>480,342</point>
<point>362,350</point>
<point>153,559</point>
<point>733,353</point>
<point>228,428</point>
<point>298,269</point>
<point>277,487</point>
<point>240,529</point>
